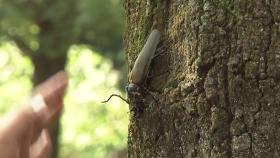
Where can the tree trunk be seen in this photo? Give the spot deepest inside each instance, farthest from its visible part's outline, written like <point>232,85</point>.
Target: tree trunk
<point>220,95</point>
<point>44,67</point>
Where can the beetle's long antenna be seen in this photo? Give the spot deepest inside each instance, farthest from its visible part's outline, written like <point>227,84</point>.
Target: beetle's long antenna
<point>115,95</point>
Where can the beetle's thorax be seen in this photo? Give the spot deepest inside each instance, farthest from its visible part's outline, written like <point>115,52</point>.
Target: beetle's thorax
<point>132,89</point>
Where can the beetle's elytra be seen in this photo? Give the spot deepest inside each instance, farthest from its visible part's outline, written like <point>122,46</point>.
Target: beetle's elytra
<point>142,64</point>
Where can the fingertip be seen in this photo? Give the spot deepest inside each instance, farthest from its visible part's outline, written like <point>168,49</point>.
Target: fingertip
<point>62,77</point>
<point>55,84</point>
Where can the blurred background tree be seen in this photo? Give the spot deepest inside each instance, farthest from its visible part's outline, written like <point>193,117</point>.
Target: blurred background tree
<point>43,31</point>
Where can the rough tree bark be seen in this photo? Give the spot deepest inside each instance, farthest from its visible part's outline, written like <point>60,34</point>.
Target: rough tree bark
<point>219,97</point>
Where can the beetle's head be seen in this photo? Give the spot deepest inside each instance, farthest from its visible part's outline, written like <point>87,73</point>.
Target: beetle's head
<point>132,89</point>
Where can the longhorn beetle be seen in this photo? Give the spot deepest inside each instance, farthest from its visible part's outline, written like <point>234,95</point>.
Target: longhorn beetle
<point>139,73</point>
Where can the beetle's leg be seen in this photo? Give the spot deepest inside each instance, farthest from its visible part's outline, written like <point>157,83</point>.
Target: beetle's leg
<point>153,75</point>
<point>150,71</point>
<point>136,111</point>
<point>150,93</point>
<point>162,51</point>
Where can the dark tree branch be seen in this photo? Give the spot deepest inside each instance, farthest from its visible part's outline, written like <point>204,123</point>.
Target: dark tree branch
<point>21,45</point>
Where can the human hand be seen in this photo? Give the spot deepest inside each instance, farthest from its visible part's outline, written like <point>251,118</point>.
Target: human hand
<point>23,133</point>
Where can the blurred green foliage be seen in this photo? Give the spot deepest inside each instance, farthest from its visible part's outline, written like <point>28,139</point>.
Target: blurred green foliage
<point>50,27</point>
<point>87,30</point>
<point>95,128</point>
<point>54,25</point>
<point>15,73</point>
<point>89,128</point>
<point>101,25</point>
<point>38,26</point>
